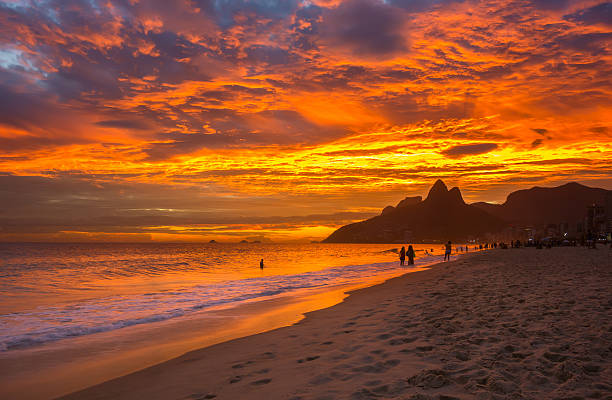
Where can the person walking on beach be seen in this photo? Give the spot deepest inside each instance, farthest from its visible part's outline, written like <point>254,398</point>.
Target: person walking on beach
<point>261,264</point>
<point>402,255</point>
<point>447,253</point>
<point>410,254</point>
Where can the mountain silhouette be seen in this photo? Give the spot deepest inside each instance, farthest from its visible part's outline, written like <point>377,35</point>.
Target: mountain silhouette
<point>443,215</point>
<point>540,206</point>
<point>409,201</point>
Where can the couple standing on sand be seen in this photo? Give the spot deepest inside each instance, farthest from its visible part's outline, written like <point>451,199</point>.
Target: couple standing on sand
<point>410,253</point>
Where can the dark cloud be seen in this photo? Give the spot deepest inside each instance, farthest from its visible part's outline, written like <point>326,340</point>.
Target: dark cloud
<point>47,124</point>
<point>595,43</point>
<point>541,131</point>
<point>557,161</point>
<point>217,96</point>
<point>22,110</point>
<point>469,149</point>
<point>182,143</point>
<point>124,123</point>
<point>550,4</point>
<point>367,27</point>
<point>599,14</point>
<point>253,91</point>
<point>401,74</point>
<point>422,5</point>
<point>267,54</point>
<point>347,77</point>
<point>173,46</point>
<point>85,77</point>
<point>536,143</point>
<point>226,11</point>
<point>305,27</point>
<point>231,92</point>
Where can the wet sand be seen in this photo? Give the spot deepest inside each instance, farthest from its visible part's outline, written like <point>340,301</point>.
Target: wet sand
<point>501,324</point>
<point>64,366</point>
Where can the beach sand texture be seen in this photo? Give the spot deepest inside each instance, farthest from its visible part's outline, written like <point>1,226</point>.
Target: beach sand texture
<point>501,324</point>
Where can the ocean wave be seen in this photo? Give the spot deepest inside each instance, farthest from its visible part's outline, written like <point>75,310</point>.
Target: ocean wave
<point>46,324</point>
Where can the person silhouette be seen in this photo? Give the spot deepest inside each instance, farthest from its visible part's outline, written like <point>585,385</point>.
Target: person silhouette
<point>261,264</point>
<point>402,255</point>
<point>410,254</point>
<point>447,253</point>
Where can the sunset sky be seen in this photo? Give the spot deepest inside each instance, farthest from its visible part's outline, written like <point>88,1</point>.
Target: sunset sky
<point>135,120</point>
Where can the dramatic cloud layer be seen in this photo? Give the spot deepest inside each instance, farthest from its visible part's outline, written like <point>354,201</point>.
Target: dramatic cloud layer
<point>201,119</point>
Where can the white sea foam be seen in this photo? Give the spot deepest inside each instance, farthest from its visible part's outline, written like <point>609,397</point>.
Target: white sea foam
<point>99,314</point>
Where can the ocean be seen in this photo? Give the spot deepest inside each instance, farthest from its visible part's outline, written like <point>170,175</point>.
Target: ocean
<point>65,294</point>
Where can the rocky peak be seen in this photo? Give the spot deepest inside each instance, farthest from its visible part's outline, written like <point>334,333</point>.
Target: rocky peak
<point>455,195</point>
<point>437,191</point>
<point>440,195</point>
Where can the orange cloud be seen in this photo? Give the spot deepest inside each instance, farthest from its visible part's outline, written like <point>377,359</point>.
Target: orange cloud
<point>291,109</point>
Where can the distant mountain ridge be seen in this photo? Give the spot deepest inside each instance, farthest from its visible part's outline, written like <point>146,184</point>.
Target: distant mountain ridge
<point>539,206</point>
<point>444,215</point>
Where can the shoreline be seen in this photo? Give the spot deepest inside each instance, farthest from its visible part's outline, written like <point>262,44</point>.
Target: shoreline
<point>63,367</point>
<point>496,324</point>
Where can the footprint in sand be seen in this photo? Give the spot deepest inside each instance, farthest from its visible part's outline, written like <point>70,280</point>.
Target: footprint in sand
<point>378,367</point>
<point>312,358</point>
<point>521,356</point>
<point>320,380</point>
<point>592,369</point>
<point>242,365</point>
<point>351,349</point>
<point>201,396</point>
<point>554,357</point>
<point>430,379</point>
<point>396,342</point>
<point>261,382</point>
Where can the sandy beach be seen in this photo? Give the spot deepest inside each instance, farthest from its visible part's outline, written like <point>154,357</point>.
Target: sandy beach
<point>501,324</point>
